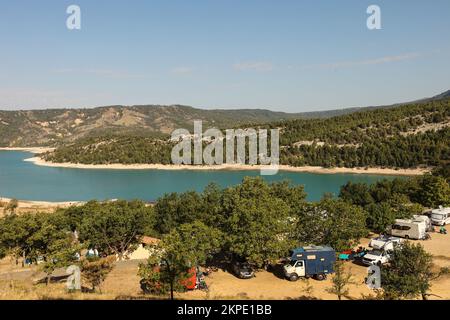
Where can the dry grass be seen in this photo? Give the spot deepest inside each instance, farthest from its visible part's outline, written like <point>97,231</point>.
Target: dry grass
<point>123,283</point>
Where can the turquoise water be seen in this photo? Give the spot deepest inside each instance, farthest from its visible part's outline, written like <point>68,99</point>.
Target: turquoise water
<point>26,181</point>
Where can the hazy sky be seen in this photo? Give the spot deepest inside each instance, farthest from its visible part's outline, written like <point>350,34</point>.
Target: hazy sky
<point>282,55</point>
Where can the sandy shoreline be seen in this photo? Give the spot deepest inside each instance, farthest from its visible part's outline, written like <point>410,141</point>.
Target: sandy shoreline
<point>34,150</point>
<point>42,204</point>
<point>237,167</point>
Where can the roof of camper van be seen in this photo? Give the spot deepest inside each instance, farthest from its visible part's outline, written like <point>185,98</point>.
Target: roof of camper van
<point>314,248</point>
<point>441,210</point>
<point>408,221</point>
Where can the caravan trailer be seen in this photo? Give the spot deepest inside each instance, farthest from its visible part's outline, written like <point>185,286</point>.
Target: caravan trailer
<point>441,216</point>
<point>409,229</point>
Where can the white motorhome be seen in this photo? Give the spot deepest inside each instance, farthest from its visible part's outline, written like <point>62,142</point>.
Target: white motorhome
<point>425,219</point>
<point>384,242</point>
<point>441,216</point>
<point>409,229</point>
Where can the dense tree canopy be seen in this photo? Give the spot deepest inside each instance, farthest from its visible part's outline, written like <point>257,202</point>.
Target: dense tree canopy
<point>409,274</point>
<point>115,227</point>
<point>172,260</point>
<point>256,222</point>
<point>330,222</point>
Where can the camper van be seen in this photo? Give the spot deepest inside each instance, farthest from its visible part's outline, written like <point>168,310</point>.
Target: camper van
<point>384,242</point>
<point>409,229</point>
<point>312,261</point>
<point>383,247</point>
<point>425,219</point>
<point>441,216</point>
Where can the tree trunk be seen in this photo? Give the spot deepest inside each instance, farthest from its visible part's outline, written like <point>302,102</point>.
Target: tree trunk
<point>171,290</point>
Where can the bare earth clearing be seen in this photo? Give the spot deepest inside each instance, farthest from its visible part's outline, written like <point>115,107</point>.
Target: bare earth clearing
<point>123,282</point>
<point>35,206</point>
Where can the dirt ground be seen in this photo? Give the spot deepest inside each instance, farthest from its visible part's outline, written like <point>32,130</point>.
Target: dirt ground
<point>123,282</point>
<point>34,206</point>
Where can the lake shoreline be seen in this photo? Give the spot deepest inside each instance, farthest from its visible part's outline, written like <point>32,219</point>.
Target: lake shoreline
<point>224,167</point>
<point>34,150</point>
<point>43,204</point>
<point>232,167</point>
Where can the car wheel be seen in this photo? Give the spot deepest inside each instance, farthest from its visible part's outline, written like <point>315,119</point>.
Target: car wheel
<point>320,277</point>
<point>293,277</point>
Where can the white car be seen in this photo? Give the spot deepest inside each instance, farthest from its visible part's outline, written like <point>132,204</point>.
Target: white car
<point>376,257</point>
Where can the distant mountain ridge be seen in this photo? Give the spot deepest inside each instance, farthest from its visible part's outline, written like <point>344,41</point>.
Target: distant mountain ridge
<point>55,126</point>
<point>407,136</point>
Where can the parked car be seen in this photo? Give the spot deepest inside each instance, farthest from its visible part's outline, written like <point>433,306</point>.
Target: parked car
<point>313,261</point>
<point>441,216</point>
<point>376,257</point>
<point>243,270</point>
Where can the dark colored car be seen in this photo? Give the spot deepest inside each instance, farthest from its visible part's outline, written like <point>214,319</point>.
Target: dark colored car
<point>243,270</point>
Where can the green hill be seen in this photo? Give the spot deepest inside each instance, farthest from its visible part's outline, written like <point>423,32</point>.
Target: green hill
<point>406,136</point>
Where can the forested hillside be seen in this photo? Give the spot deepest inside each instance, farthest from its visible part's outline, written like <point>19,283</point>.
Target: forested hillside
<point>406,136</point>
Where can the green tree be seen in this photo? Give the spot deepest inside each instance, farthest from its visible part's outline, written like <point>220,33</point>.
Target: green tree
<point>173,210</point>
<point>340,281</point>
<point>94,270</point>
<point>170,262</point>
<point>17,235</point>
<point>380,216</point>
<point>12,205</point>
<point>60,251</point>
<point>212,205</point>
<point>433,192</point>
<point>257,224</point>
<point>356,193</point>
<point>443,170</point>
<point>293,196</point>
<point>331,222</point>
<point>409,273</point>
<point>115,228</point>
<point>403,208</point>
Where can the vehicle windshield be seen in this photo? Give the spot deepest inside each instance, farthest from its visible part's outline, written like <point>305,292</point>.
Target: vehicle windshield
<point>437,216</point>
<point>376,252</point>
<point>292,262</point>
<point>245,267</point>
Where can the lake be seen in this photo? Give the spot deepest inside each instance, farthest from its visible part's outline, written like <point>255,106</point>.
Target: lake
<point>26,181</point>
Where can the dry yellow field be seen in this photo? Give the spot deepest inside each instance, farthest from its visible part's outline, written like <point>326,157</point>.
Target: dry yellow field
<point>123,283</point>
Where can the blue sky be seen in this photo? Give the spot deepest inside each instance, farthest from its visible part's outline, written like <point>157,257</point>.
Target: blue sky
<point>283,55</point>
